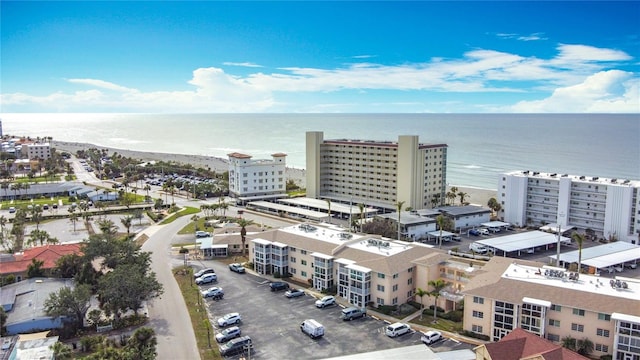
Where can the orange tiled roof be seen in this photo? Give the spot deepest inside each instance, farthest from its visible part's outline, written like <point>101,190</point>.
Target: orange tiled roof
<point>49,254</point>
<point>521,344</point>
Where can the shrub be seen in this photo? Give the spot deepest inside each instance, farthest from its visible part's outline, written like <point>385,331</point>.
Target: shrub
<point>455,316</point>
<point>387,309</point>
<point>277,275</point>
<point>440,310</point>
<point>415,304</point>
<point>183,250</point>
<point>475,335</point>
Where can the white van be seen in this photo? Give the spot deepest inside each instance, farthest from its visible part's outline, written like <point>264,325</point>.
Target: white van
<point>397,329</point>
<point>312,328</point>
<point>478,248</point>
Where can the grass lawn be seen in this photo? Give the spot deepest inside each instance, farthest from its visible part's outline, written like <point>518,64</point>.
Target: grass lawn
<point>205,334</point>
<point>441,324</point>
<point>184,212</point>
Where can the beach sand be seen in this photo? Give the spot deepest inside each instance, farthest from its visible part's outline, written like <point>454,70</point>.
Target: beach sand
<point>476,196</point>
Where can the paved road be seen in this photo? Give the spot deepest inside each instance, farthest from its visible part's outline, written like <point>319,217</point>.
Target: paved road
<point>168,315</point>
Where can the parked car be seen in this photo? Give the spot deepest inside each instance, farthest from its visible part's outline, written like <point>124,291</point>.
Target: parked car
<point>630,265</point>
<point>351,313</point>
<point>235,346</point>
<point>478,248</point>
<point>312,328</point>
<point>228,334</point>
<point>326,301</point>
<point>430,337</point>
<point>203,272</point>
<point>278,285</point>
<point>474,232</point>
<point>483,231</point>
<point>456,238</point>
<point>229,319</point>
<point>291,293</point>
<point>215,292</point>
<point>207,279</point>
<point>397,329</point>
<point>235,267</point>
<point>12,210</point>
<point>202,234</point>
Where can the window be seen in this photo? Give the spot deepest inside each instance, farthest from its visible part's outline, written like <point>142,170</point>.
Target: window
<point>478,300</point>
<point>395,287</point>
<point>381,288</point>
<point>604,317</point>
<point>553,337</point>
<point>380,276</point>
<point>293,260</point>
<point>410,270</point>
<point>555,307</point>
<point>303,262</point>
<point>394,301</point>
<point>553,322</point>
<point>578,312</point>
<point>410,281</point>
<point>577,327</point>
<point>292,249</point>
<point>478,314</point>
<point>395,276</point>
<point>380,301</point>
<point>602,348</point>
<point>476,328</point>
<point>292,270</point>
<point>303,252</point>
<point>602,332</point>
<point>303,273</point>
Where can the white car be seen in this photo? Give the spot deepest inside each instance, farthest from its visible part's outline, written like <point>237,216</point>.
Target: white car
<point>228,334</point>
<point>397,329</point>
<point>229,319</point>
<point>483,231</point>
<point>326,301</point>
<point>206,279</point>
<point>430,337</point>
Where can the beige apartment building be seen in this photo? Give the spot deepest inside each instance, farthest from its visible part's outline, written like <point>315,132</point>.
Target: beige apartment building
<point>553,303</point>
<point>364,269</point>
<point>32,151</point>
<point>255,179</point>
<point>376,173</point>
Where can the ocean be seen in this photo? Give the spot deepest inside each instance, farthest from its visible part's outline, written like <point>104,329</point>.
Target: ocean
<point>480,146</point>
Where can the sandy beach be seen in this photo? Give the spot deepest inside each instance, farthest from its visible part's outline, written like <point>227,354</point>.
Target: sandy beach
<point>476,196</point>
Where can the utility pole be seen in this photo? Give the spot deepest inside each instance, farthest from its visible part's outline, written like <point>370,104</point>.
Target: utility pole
<point>560,216</point>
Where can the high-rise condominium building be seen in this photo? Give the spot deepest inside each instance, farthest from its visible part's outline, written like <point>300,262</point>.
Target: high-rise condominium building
<point>608,207</point>
<point>257,179</point>
<point>376,173</point>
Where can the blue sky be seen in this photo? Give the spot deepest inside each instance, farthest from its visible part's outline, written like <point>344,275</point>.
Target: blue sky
<point>330,56</point>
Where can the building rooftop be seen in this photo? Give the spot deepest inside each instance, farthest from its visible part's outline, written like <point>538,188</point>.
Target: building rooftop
<point>516,279</point>
<point>520,344</point>
<point>26,298</point>
<point>577,178</point>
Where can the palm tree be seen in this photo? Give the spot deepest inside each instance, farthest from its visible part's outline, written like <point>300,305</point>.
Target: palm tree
<point>127,221</point>
<point>462,196</point>
<point>569,343</point>
<point>4,186</point>
<point>61,351</point>
<point>435,200</point>
<point>437,286</point>
<point>421,293</point>
<point>243,223</point>
<point>584,346</point>
<point>579,239</point>
<point>147,188</point>
<point>494,205</point>
<point>399,205</point>
<point>224,206</point>
<point>440,220</point>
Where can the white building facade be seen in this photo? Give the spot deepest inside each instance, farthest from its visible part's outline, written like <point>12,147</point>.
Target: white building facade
<point>376,173</point>
<point>257,179</point>
<point>36,151</point>
<point>609,207</point>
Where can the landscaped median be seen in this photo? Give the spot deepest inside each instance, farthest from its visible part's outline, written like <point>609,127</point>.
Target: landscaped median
<point>205,335</point>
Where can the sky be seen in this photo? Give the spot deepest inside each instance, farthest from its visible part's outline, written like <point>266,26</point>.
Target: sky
<point>320,57</point>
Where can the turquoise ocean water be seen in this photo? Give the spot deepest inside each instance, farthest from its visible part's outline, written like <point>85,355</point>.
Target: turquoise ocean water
<point>480,145</point>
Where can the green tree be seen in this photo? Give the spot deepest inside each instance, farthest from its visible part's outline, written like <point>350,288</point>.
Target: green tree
<point>437,286</point>
<point>243,223</point>
<point>127,287</point>
<point>494,205</point>
<point>67,266</point>
<point>361,208</point>
<point>463,195</point>
<point>36,215</point>
<point>61,351</point>
<point>35,269</point>
<point>39,236</point>
<point>71,303</point>
<point>579,239</point>
<point>569,343</point>
<point>73,217</point>
<point>143,342</point>
<point>3,322</point>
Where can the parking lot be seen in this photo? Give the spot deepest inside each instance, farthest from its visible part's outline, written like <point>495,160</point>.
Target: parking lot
<point>273,322</point>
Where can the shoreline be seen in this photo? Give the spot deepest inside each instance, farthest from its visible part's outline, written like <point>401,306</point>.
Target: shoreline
<point>477,196</point>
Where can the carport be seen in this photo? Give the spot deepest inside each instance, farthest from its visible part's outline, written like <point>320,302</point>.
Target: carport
<point>522,241</point>
<point>337,208</point>
<point>446,236</point>
<point>602,256</point>
<point>292,211</point>
<point>496,225</point>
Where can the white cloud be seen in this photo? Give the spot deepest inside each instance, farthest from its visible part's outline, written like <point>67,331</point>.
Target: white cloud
<point>607,91</point>
<point>101,84</point>
<point>576,79</point>
<point>243,64</point>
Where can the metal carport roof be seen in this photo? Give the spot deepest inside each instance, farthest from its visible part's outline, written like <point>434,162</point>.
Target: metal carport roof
<point>621,257</point>
<point>522,241</point>
<point>595,252</point>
